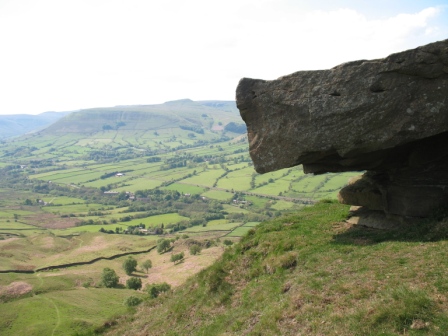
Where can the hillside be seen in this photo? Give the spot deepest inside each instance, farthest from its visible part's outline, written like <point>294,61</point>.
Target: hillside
<point>15,125</point>
<point>310,273</point>
<point>171,114</point>
<point>100,184</point>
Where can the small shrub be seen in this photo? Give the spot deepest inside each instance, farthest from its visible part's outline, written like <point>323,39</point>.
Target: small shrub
<point>163,245</point>
<point>146,265</point>
<point>130,265</point>
<point>132,301</point>
<point>195,249</point>
<point>134,283</point>
<point>109,278</point>
<point>155,289</point>
<point>86,284</point>
<point>227,242</point>
<point>177,257</point>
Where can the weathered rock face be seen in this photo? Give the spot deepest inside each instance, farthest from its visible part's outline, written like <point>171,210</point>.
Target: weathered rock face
<point>386,116</point>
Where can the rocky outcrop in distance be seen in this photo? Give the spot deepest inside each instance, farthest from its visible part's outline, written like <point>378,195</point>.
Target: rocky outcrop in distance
<point>388,117</point>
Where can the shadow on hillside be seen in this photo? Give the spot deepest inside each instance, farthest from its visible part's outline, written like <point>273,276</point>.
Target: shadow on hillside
<point>136,275</point>
<point>424,231</point>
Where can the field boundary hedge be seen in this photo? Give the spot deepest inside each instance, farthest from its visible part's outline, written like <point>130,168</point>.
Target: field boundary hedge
<point>79,263</point>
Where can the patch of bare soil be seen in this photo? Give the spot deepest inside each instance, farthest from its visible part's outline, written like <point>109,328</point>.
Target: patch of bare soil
<point>51,221</point>
<point>48,242</point>
<point>164,270</point>
<point>8,240</point>
<point>217,128</point>
<point>15,289</point>
<point>97,244</point>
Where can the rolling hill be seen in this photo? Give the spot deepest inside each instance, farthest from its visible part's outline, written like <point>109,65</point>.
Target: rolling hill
<point>198,115</point>
<point>309,273</point>
<point>179,170</point>
<point>18,124</point>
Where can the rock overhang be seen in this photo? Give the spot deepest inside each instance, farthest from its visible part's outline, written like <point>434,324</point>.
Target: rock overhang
<point>382,116</point>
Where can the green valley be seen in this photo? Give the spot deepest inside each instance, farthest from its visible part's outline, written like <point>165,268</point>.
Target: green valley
<point>101,185</point>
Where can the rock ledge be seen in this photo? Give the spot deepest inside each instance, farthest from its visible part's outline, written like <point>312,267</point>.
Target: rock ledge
<point>388,117</point>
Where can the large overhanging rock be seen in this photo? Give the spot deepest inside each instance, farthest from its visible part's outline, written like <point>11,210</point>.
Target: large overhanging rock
<point>387,116</point>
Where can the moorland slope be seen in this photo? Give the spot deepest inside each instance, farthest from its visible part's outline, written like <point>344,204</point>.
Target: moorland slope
<point>310,273</point>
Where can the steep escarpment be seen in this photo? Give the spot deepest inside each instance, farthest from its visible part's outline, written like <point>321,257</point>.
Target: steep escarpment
<point>387,116</point>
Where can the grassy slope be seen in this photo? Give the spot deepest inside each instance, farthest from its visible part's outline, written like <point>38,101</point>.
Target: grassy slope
<point>62,312</point>
<point>310,274</point>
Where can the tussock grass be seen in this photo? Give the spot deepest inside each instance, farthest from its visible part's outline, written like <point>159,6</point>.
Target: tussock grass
<point>312,274</point>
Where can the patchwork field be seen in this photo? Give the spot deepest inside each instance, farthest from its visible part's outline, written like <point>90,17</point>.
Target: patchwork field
<point>106,182</point>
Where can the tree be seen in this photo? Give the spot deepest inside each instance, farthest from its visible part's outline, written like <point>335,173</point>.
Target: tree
<point>109,278</point>
<point>177,257</point>
<point>195,249</point>
<point>163,245</point>
<point>228,242</point>
<point>132,301</point>
<point>134,283</point>
<point>155,289</point>
<point>147,264</point>
<point>130,265</point>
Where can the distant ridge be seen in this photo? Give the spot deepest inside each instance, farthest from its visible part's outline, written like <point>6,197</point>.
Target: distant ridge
<point>183,112</point>
<point>19,124</point>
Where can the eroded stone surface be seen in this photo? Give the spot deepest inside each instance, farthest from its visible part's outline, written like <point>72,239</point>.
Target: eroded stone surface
<point>387,116</point>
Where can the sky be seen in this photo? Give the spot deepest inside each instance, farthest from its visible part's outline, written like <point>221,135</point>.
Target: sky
<point>63,55</point>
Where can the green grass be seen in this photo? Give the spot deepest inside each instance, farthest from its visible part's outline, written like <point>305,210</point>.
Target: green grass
<point>311,273</point>
<point>89,228</point>
<point>282,205</point>
<point>242,230</point>
<point>234,209</point>
<point>68,153</point>
<point>62,312</point>
<point>206,178</point>
<point>63,200</point>
<point>217,227</point>
<point>258,202</point>
<point>237,180</point>
<point>309,184</point>
<point>13,225</point>
<point>184,188</point>
<point>46,248</point>
<point>72,208</point>
<point>139,184</point>
<point>218,195</point>
<point>338,180</point>
<point>274,188</point>
<point>157,221</point>
<point>260,178</point>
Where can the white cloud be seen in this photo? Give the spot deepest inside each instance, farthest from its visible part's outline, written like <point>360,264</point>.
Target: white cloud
<point>59,55</point>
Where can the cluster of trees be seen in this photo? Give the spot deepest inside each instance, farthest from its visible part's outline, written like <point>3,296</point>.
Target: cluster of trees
<point>107,127</point>
<point>164,245</point>
<point>193,128</point>
<point>110,279</point>
<point>154,159</point>
<point>236,127</point>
